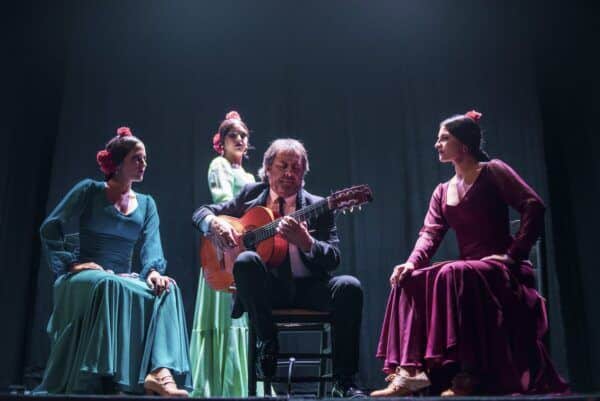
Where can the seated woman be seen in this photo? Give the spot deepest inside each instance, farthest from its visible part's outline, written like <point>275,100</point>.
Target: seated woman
<point>112,330</point>
<point>479,318</point>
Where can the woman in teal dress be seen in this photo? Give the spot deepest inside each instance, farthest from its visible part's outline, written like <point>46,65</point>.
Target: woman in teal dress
<point>113,330</point>
<point>219,345</point>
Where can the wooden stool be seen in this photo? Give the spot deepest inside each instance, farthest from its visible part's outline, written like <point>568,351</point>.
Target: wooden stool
<point>296,320</point>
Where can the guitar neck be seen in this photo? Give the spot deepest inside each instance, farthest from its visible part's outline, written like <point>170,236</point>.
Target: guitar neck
<point>268,230</point>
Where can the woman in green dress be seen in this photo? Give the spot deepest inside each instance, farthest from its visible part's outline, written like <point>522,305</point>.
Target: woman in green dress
<point>219,345</point>
<point>113,330</point>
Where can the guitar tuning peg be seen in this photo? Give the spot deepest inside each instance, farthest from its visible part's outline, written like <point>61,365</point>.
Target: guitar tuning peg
<point>351,209</point>
<point>360,208</point>
<point>343,211</point>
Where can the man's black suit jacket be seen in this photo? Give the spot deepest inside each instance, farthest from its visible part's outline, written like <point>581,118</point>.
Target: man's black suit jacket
<point>326,253</point>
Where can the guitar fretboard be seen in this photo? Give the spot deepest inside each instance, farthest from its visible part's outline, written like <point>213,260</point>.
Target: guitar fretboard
<point>270,229</point>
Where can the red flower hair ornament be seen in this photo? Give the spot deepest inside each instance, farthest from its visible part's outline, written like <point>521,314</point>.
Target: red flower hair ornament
<point>217,146</point>
<point>124,131</point>
<point>104,158</point>
<point>474,115</point>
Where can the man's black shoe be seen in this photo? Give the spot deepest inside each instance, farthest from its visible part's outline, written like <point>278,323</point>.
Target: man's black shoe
<point>237,308</point>
<point>267,358</point>
<point>346,389</point>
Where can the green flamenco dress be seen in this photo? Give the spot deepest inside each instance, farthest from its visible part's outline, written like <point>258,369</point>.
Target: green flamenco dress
<point>108,330</point>
<point>219,344</point>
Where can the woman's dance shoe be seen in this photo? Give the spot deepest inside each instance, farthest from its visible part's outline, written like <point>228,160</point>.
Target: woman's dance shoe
<point>463,384</point>
<point>164,385</point>
<point>402,384</point>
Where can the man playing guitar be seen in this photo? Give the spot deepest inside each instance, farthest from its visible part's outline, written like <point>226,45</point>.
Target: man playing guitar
<point>303,279</point>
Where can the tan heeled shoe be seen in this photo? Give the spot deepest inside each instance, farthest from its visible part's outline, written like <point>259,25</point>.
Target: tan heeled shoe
<point>463,384</point>
<point>402,384</point>
<point>164,385</point>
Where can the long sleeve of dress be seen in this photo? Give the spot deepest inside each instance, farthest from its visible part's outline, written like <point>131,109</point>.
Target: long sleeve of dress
<point>220,180</point>
<point>58,256</point>
<point>516,193</point>
<point>151,253</point>
<point>432,233</point>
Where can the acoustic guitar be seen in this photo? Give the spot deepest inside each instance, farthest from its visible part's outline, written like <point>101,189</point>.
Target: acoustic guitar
<point>258,229</point>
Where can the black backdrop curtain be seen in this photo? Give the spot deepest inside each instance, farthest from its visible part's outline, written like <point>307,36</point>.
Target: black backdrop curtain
<point>31,75</point>
<point>363,85</point>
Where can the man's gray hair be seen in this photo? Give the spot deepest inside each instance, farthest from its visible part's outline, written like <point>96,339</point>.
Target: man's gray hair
<point>283,145</point>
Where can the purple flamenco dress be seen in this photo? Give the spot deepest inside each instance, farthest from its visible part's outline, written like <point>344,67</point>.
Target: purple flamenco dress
<point>482,316</point>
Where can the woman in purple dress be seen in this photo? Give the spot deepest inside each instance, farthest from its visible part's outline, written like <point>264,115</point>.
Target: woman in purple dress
<point>478,319</point>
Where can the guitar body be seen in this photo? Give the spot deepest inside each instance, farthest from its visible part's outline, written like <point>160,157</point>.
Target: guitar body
<point>218,264</point>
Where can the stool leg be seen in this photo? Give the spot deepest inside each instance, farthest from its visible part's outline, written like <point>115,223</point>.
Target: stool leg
<point>252,362</point>
<point>331,348</point>
<point>323,362</point>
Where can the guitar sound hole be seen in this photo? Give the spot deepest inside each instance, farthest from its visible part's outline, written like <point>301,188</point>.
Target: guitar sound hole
<point>249,241</point>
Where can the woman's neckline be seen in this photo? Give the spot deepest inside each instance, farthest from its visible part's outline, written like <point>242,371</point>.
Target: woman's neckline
<point>468,191</point>
<point>114,206</point>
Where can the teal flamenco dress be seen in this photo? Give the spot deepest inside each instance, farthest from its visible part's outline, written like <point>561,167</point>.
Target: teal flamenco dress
<point>108,330</point>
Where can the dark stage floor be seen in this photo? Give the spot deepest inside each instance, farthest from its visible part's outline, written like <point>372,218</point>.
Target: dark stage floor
<point>574,397</point>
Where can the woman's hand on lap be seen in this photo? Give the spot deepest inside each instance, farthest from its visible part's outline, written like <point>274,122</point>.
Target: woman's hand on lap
<point>401,273</point>
<point>158,283</point>
<point>85,266</point>
<point>507,260</point>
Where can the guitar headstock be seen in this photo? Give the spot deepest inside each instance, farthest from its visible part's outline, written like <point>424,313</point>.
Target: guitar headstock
<point>350,198</point>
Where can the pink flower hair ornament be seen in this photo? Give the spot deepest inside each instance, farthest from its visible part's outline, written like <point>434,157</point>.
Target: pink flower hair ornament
<point>233,115</point>
<point>474,115</point>
<point>217,146</point>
